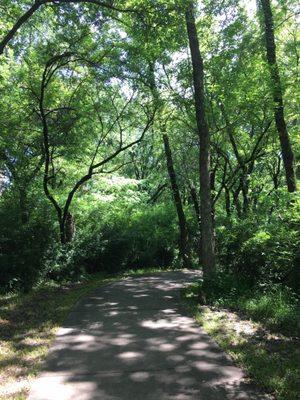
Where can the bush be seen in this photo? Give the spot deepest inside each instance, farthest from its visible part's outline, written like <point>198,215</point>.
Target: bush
<point>139,238</point>
<point>261,250</point>
<point>22,249</point>
<point>60,265</point>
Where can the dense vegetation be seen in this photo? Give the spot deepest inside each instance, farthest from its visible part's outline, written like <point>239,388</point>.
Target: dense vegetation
<point>141,134</point>
<point>153,134</point>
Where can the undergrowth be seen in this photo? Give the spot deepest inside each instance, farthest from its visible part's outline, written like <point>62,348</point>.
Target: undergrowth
<point>268,349</point>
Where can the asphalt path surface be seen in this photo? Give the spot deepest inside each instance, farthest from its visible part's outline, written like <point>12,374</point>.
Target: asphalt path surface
<point>133,340</point>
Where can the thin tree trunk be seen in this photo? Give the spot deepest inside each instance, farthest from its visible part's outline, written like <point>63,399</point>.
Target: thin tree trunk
<point>208,251</point>
<point>197,212</point>
<point>227,202</point>
<point>286,149</point>
<point>183,240</point>
<point>245,191</point>
<point>237,202</point>
<point>195,203</point>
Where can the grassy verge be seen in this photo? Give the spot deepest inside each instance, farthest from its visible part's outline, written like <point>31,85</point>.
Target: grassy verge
<point>271,359</point>
<point>28,324</point>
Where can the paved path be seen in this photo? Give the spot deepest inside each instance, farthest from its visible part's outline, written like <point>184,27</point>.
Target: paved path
<point>132,340</point>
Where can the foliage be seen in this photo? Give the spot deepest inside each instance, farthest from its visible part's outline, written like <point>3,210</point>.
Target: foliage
<point>110,74</point>
<point>263,248</point>
<point>87,92</point>
<point>23,247</point>
<point>122,240</point>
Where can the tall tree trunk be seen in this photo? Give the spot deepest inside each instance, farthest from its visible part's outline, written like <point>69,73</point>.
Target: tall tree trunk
<point>245,191</point>
<point>183,240</point>
<point>194,198</point>
<point>236,201</point>
<point>286,149</point>
<point>227,202</point>
<point>208,251</point>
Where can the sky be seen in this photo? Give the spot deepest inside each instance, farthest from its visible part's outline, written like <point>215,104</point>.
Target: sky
<point>250,6</point>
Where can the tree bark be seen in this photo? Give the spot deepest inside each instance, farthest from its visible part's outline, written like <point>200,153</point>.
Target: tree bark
<point>69,228</point>
<point>208,251</point>
<point>245,191</point>
<point>227,202</point>
<point>194,198</point>
<point>236,201</point>
<point>183,239</point>
<point>286,149</point>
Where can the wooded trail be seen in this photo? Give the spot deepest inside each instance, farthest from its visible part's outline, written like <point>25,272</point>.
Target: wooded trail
<point>133,339</point>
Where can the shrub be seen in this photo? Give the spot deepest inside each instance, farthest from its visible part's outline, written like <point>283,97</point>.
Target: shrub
<point>261,250</point>
<point>22,249</point>
<point>140,238</point>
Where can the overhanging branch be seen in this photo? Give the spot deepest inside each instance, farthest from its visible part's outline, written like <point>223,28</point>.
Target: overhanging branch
<point>39,3</point>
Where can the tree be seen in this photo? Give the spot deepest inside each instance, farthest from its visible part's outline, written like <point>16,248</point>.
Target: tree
<point>183,241</point>
<point>39,3</point>
<point>286,148</point>
<point>111,134</point>
<point>208,253</point>
<point>114,116</point>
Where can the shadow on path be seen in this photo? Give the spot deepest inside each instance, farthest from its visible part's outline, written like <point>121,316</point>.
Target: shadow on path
<point>132,340</point>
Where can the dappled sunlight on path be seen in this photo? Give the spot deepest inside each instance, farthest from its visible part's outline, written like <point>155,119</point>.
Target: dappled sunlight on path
<point>133,340</point>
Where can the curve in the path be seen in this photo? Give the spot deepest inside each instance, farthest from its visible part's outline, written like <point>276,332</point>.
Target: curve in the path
<point>132,340</point>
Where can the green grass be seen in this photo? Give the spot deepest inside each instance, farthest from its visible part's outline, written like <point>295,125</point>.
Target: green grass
<point>272,359</point>
<point>274,305</point>
<point>28,323</point>
<point>277,310</point>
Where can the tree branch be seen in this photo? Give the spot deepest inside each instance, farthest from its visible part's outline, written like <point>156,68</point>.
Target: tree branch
<point>38,3</point>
